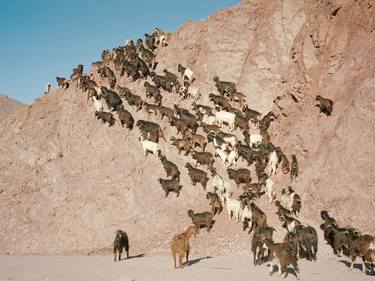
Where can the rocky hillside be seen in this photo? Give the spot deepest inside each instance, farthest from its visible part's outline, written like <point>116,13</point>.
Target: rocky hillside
<point>9,105</point>
<point>68,182</point>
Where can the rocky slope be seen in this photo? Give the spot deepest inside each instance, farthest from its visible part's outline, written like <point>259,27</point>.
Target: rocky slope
<point>67,182</point>
<point>9,105</point>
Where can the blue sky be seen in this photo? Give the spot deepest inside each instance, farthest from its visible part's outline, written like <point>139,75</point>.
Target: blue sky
<point>42,39</point>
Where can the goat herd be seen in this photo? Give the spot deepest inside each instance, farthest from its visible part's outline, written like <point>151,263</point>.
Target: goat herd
<point>138,61</point>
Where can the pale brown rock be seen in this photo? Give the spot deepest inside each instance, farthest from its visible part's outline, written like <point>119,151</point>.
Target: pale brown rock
<point>68,182</point>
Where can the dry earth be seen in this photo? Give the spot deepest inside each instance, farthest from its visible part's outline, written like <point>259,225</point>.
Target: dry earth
<point>68,182</point>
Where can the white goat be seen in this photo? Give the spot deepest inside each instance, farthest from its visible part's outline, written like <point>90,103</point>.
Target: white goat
<point>272,163</point>
<point>149,146</point>
<point>255,139</point>
<point>246,213</point>
<point>188,75</point>
<point>229,158</point>
<point>225,117</point>
<point>97,104</point>
<point>220,185</point>
<point>269,190</point>
<point>190,91</point>
<point>287,198</point>
<point>233,208</point>
<point>208,119</point>
<point>228,138</point>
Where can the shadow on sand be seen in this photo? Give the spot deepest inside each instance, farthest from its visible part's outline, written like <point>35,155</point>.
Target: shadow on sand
<point>276,266</point>
<point>133,257</point>
<point>359,267</point>
<point>191,262</point>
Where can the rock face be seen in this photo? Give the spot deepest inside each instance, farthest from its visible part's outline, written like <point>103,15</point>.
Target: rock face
<point>68,182</point>
<point>8,106</point>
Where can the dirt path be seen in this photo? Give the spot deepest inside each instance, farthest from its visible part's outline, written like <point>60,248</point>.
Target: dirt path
<point>93,268</point>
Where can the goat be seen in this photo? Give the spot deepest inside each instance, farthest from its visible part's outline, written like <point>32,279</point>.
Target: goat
<point>251,114</point>
<point>170,168</point>
<point>203,109</point>
<point>180,125</point>
<point>258,218</point>
<point>229,158</point>
<point>255,140</point>
<point>171,185</point>
<point>106,117</point>
<point>197,175</point>
<point>196,140</point>
<point>364,247</point>
<point>48,88</point>
<point>269,190</point>
<point>181,144</point>
<point>190,91</point>
<point>325,105</point>
<point>125,118</point>
<point>180,244</point>
<point>220,185</point>
<point>147,127</point>
<point>151,91</point>
<point>257,242</point>
<point>272,163</point>
<point>239,176</point>
<point>226,117</point>
<point>148,56</point>
<point>215,202</point>
<point>121,241</point>
<point>112,98</point>
<point>62,82</point>
<point>233,207</point>
<point>97,104</point>
<point>161,82</point>
<point>293,168</point>
<point>202,220</point>
<point>190,119</point>
<point>289,223</point>
<point>219,100</point>
<point>150,108</point>
<point>265,122</point>
<point>224,87</point>
<point>203,158</point>
<point>286,253</point>
<point>186,73</point>
<point>149,146</point>
<point>165,111</point>
<point>307,241</point>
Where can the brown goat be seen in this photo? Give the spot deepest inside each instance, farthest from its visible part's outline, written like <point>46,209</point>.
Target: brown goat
<point>258,217</point>
<point>325,105</point>
<point>364,247</point>
<point>180,244</point>
<point>202,220</point>
<point>197,175</point>
<point>294,168</point>
<point>286,253</point>
<point>239,176</point>
<point>215,202</point>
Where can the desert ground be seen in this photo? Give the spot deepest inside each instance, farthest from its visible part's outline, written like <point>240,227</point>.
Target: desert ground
<point>143,268</point>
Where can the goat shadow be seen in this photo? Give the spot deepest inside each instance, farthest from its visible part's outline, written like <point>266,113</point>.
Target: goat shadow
<point>191,262</point>
<point>289,270</point>
<point>359,267</point>
<point>132,257</point>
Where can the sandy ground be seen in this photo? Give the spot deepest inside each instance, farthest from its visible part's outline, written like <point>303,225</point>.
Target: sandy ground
<point>53,268</point>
